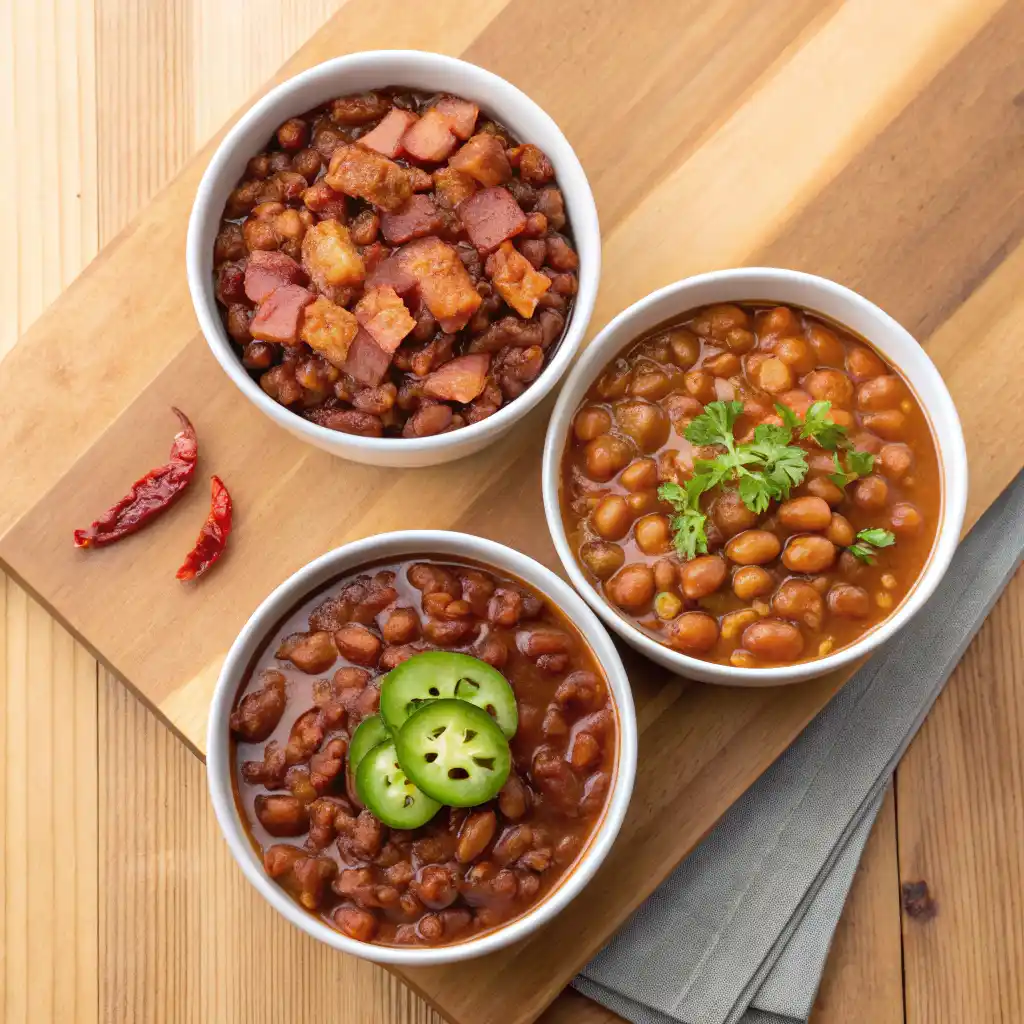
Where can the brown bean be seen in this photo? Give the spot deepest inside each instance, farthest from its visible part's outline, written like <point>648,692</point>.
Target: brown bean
<point>906,519</point>
<point>281,815</point>
<point>356,923</point>
<point>702,576</point>
<point>862,363</point>
<point>840,531</point>
<point>652,534</point>
<point>753,547</point>
<point>312,654</point>
<point>773,640</point>
<point>612,517</point>
<point>885,392</point>
<point>666,574</point>
<point>716,321</point>
<point>740,340</point>
<point>773,375</point>
<point>890,424</point>
<point>477,831</point>
<point>799,601</point>
<point>692,633</point>
<point>640,475</point>
<point>828,349</point>
<point>652,384</point>
<point>643,421</point>
<point>849,601</point>
<point>605,455</point>
<point>777,322</point>
<point>797,354</point>
<point>700,384</point>
<point>590,422</point>
<point>871,493</point>
<point>895,461</point>
<point>514,798</point>
<point>805,514</point>
<point>830,386</point>
<point>751,581</point>
<point>826,490</point>
<point>808,553</point>
<point>401,626</point>
<point>358,644</point>
<point>602,559</point>
<point>259,712</point>
<point>632,587</point>
<point>731,515</point>
<point>642,502</point>
<point>685,347</point>
<point>725,364</point>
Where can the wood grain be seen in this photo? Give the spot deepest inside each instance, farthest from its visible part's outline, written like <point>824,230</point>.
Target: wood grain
<point>155,923</point>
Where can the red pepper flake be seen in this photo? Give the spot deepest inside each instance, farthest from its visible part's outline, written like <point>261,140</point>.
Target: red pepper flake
<point>156,491</point>
<point>213,537</point>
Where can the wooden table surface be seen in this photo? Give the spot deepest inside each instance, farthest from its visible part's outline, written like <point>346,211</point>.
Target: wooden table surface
<point>120,901</point>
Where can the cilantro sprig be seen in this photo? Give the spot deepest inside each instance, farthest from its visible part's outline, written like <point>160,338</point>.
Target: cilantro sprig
<point>869,541</point>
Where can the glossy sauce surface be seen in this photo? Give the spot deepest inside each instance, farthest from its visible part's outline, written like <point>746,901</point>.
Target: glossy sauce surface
<point>773,588</point>
<point>467,871</point>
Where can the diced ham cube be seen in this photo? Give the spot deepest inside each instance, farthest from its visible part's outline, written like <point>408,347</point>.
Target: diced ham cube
<point>382,312</point>
<point>430,139</point>
<point>364,174</point>
<point>329,329</point>
<point>267,270</point>
<point>444,283</point>
<point>390,273</point>
<point>277,318</point>
<point>452,187</point>
<point>461,115</point>
<point>417,218</point>
<point>490,217</point>
<point>483,158</point>
<point>515,280</point>
<point>386,138</point>
<point>367,362</point>
<point>330,257</point>
<point>460,380</point>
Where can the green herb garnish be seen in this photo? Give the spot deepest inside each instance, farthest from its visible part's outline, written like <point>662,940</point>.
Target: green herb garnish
<point>870,540</point>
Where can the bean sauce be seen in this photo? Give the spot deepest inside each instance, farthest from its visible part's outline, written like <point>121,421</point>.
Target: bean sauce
<point>395,264</point>
<point>775,587</point>
<point>468,870</point>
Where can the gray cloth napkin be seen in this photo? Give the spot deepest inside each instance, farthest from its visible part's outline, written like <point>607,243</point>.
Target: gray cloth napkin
<point>739,932</point>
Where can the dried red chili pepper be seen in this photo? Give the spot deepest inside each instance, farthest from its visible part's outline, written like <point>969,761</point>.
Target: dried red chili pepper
<point>213,537</point>
<point>157,490</point>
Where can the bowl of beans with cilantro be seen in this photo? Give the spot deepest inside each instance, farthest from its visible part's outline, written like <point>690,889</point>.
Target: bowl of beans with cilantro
<point>755,476</point>
<point>394,255</point>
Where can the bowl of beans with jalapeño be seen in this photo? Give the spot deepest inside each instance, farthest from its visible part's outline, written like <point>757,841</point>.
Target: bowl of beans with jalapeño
<point>755,476</point>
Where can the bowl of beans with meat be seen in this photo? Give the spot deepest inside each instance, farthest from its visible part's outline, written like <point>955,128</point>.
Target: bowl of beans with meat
<point>394,255</point>
<point>421,747</point>
<point>755,476</point>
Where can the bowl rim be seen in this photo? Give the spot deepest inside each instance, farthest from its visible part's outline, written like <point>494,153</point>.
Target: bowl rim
<point>432,544</point>
<point>570,178</point>
<point>938,407</point>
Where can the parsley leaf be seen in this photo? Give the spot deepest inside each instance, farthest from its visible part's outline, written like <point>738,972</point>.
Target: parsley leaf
<point>840,477</point>
<point>688,522</point>
<point>868,541</point>
<point>861,463</point>
<point>818,426</point>
<point>863,553</point>
<point>714,425</point>
<point>782,466</point>
<point>788,417</point>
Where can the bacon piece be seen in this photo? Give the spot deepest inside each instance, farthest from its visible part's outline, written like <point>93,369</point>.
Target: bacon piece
<point>460,380</point>
<point>430,139</point>
<point>451,187</point>
<point>389,273</point>
<point>328,328</point>
<point>385,317</point>
<point>277,318</point>
<point>417,218</point>
<point>490,217</point>
<point>444,283</point>
<point>330,257</point>
<point>367,362</point>
<point>516,281</point>
<point>386,138</point>
<point>461,115</point>
<point>267,270</point>
<point>364,174</point>
<point>483,158</point>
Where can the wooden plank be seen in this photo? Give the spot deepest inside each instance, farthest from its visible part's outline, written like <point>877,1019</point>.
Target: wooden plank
<point>863,977</point>
<point>961,834</point>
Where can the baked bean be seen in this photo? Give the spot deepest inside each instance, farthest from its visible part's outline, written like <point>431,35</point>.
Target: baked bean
<point>652,534</point>
<point>602,559</point>
<point>797,354</point>
<point>750,581</point>
<point>862,363</point>
<point>356,923</point>
<point>830,386</point>
<point>731,515</point>
<point>805,514</point>
<point>692,633</point>
<point>753,547</point>
<point>889,424</point>
<point>740,340</point>
<point>885,392</point>
<point>777,322</point>
<point>716,321</point>
<point>799,601</point>
<point>606,454</point>
<point>612,517</point>
<point>650,383</point>
<point>702,576</point>
<point>643,421</point>
<point>871,493</point>
<point>591,422</point>
<point>642,502</point>
<point>681,410</point>
<point>667,605</point>
<point>828,349</point>
<point>700,384</point>
<point>905,519</point>
<point>685,348</point>
<point>895,461</point>
<point>358,644</point>
<point>281,815</point>
<point>849,601</point>
<point>773,375</point>
<point>258,713</point>
<point>614,382</point>
<point>823,489</point>
<point>313,653</point>
<point>632,587</point>
<point>666,574</point>
<point>773,640</point>
<point>401,626</point>
<point>808,553</point>
<point>725,364</point>
<point>839,531</point>
<point>640,475</point>
<point>797,400</point>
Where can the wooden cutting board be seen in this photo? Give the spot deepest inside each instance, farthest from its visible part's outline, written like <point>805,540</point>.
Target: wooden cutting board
<point>875,143</point>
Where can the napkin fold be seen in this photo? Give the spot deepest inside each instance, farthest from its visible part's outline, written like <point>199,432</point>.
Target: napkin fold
<point>739,932</point>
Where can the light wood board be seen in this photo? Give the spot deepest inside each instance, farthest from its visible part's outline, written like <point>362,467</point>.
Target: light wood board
<point>932,39</point>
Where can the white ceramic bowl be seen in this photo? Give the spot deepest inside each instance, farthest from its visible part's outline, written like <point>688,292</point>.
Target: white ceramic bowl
<point>766,285</point>
<point>355,73</point>
<point>294,590</point>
